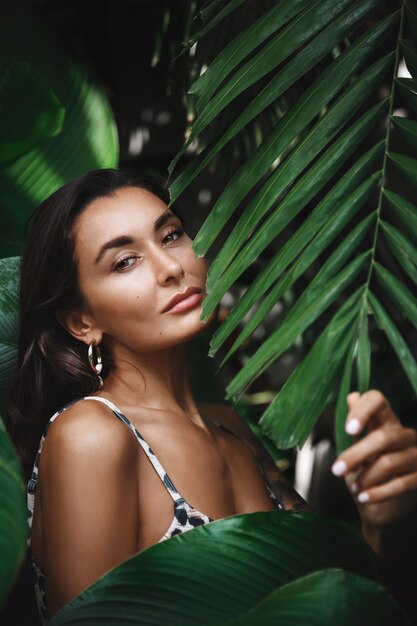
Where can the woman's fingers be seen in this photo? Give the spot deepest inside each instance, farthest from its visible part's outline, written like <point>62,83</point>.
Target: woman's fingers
<point>385,439</point>
<point>398,486</point>
<point>364,408</point>
<point>386,468</point>
<point>352,397</point>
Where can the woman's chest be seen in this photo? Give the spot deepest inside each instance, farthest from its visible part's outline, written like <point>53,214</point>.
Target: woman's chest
<point>216,473</point>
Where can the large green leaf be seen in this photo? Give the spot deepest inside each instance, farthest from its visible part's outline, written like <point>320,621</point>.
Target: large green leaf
<point>324,598</point>
<point>88,138</point>
<point>30,113</point>
<point>13,523</point>
<point>293,182</point>
<point>218,571</point>
<point>9,293</point>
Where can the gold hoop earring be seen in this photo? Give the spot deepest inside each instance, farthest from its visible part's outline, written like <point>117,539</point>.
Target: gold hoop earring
<point>98,365</point>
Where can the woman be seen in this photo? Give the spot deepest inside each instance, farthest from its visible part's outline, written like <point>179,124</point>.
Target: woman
<point>111,295</point>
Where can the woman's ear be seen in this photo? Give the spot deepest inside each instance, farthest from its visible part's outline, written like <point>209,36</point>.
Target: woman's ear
<point>79,325</point>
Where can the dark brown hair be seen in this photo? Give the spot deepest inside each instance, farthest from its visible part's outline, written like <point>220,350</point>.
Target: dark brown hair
<point>53,368</point>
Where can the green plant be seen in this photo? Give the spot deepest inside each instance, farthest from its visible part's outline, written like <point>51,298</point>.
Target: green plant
<point>247,569</point>
<point>324,175</point>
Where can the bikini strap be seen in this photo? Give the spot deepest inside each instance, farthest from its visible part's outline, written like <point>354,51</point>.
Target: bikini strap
<point>169,485</point>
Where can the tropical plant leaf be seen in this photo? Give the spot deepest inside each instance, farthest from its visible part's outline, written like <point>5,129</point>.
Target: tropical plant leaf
<point>326,113</point>
<point>294,122</point>
<point>407,129</point>
<point>410,55</point>
<point>317,297</point>
<point>408,88</point>
<point>269,57</point>
<point>404,211</point>
<point>405,165</point>
<point>308,388</point>
<point>364,351</point>
<point>9,288</point>
<point>283,176</point>
<point>218,571</point>
<point>88,138</point>
<point>324,598</point>
<point>402,248</point>
<point>13,524</point>
<point>342,439</point>
<point>219,11</point>
<point>242,45</point>
<point>411,16</point>
<point>311,304</point>
<point>306,58</point>
<point>318,219</point>
<point>400,347</point>
<point>347,187</point>
<point>399,293</point>
<point>30,112</point>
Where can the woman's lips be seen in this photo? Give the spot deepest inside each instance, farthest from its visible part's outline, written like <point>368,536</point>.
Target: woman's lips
<point>186,303</point>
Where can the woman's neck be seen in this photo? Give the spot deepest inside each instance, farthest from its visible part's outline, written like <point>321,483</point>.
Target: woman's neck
<point>156,380</point>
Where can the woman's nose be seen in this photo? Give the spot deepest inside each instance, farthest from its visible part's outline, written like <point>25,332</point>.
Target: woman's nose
<point>168,267</point>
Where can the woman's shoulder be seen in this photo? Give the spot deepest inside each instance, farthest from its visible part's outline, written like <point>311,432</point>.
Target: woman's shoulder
<point>88,428</point>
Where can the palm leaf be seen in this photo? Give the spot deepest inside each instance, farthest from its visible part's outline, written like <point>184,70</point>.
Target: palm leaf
<point>326,597</point>
<point>218,572</point>
<point>293,183</point>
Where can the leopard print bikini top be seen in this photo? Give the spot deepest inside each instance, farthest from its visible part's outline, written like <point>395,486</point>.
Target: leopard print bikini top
<point>185,516</point>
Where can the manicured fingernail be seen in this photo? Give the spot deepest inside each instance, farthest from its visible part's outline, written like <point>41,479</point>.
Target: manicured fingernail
<point>354,488</point>
<point>363,497</point>
<point>339,468</point>
<point>353,426</point>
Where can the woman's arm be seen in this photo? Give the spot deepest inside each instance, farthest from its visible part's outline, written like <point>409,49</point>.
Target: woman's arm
<point>380,469</point>
<point>89,502</point>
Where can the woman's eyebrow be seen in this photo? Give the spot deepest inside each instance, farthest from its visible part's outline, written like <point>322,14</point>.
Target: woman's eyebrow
<point>117,242</point>
<point>162,219</point>
<point>124,240</point>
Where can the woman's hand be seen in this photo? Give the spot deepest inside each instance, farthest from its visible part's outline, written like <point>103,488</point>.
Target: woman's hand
<point>380,468</point>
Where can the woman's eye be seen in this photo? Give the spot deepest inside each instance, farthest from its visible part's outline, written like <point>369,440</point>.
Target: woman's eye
<point>124,264</point>
<point>173,235</point>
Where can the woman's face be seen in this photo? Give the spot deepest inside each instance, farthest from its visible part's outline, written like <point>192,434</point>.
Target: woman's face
<point>133,257</point>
